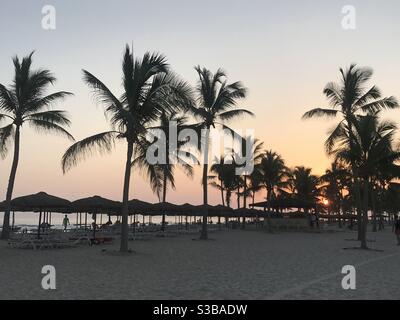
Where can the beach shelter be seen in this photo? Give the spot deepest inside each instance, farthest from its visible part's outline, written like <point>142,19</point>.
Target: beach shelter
<point>41,202</point>
<point>96,205</point>
<point>285,203</point>
<point>137,206</point>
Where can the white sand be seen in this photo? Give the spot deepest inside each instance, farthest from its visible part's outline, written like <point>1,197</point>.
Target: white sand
<point>235,265</point>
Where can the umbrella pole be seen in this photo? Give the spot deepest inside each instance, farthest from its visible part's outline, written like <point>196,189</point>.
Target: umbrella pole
<point>77,220</point>
<point>13,220</point>
<point>101,219</point>
<point>85,220</point>
<point>50,219</point>
<point>94,228</point>
<point>40,220</point>
<point>80,220</point>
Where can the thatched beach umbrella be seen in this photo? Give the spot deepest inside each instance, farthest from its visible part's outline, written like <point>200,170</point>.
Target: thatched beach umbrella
<point>40,202</point>
<point>137,206</point>
<point>285,203</point>
<point>96,205</point>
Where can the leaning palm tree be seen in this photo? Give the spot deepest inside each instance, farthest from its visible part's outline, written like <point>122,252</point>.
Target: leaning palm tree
<point>348,99</point>
<point>274,175</point>
<point>162,174</point>
<point>25,101</point>
<point>216,102</point>
<point>149,87</point>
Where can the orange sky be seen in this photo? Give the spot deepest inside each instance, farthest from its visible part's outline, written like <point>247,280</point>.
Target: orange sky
<point>284,54</point>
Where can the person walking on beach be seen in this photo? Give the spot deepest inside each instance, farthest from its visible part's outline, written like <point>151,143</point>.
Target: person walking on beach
<point>65,222</point>
<point>396,229</point>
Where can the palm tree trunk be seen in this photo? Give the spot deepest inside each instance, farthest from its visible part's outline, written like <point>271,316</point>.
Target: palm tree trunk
<point>164,199</point>
<point>238,197</point>
<point>244,192</point>
<point>374,213</point>
<point>357,186</point>
<point>358,207</point>
<point>222,192</point>
<point>40,224</point>
<point>269,198</point>
<point>204,235</point>
<point>125,199</point>
<point>364,222</point>
<point>5,234</point>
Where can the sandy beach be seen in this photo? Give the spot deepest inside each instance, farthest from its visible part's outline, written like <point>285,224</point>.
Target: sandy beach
<point>235,264</point>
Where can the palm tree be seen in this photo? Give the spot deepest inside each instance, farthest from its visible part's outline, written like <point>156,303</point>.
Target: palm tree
<point>216,100</point>
<point>348,99</point>
<point>369,147</point>
<point>255,156</point>
<point>274,175</point>
<point>219,172</point>
<point>149,87</point>
<point>254,147</point>
<point>25,101</point>
<point>162,174</point>
<point>303,184</point>
<point>255,182</point>
<point>333,184</point>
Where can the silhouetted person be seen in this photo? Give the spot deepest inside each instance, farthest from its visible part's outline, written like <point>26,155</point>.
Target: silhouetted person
<point>65,222</point>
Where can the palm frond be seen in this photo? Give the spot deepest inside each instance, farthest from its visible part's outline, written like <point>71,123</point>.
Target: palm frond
<point>99,143</point>
<point>59,117</point>
<point>6,136</point>
<point>320,112</point>
<point>236,113</point>
<point>49,127</point>
<point>382,104</point>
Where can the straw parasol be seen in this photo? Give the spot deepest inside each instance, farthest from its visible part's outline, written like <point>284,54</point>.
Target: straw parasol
<point>285,203</point>
<point>96,205</point>
<point>40,202</point>
<point>139,207</point>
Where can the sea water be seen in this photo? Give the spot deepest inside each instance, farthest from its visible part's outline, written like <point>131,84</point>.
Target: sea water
<point>30,220</point>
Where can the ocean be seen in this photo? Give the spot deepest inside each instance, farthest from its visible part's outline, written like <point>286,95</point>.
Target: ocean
<point>30,220</point>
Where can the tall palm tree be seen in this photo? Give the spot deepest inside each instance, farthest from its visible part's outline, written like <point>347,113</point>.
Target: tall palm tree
<point>162,174</point>
<point>25,101</point>
<point>348,99</point>
<point>149,87</point>
<point>369,146</point>
<point>216,102</point>
<point>251,149</point>
<point>274,175</point>
<point>255,147</point>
